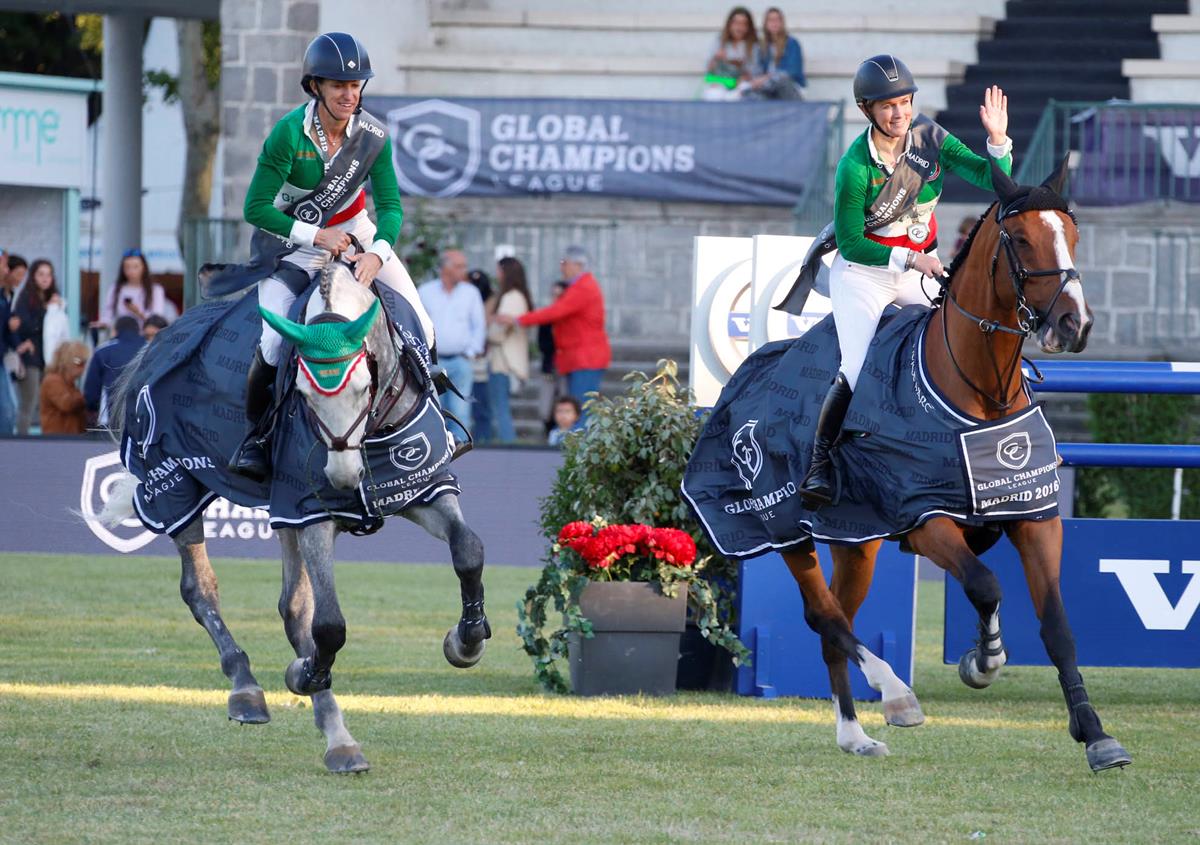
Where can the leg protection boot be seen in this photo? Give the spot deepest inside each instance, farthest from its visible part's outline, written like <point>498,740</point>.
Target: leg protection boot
<point>818,486</point>
<point>253,457</point>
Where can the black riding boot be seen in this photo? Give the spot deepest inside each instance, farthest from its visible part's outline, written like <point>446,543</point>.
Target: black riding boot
<point>818,486</point>
<point>253,457</point>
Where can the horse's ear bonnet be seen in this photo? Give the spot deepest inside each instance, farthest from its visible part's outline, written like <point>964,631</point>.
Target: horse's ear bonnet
<point>1015,198</point>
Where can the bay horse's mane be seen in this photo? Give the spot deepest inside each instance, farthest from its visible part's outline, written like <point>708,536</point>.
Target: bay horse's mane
<point>960,257</point>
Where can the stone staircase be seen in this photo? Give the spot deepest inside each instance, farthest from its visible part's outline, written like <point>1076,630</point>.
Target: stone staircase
<point>1043,49</point>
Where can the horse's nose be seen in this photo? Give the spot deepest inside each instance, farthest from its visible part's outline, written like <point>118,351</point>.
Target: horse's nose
<point>1074,334</point>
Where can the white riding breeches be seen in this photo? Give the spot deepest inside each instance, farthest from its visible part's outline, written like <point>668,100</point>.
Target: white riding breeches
<point>276,297</point>
<point>858,294</point>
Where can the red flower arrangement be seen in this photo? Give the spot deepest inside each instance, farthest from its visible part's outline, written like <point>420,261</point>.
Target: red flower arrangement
<point>602,546</point>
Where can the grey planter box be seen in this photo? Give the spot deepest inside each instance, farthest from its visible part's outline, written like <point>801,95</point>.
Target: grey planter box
<point>636,644</point>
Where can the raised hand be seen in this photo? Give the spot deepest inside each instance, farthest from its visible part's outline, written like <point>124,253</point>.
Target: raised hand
<point>993,114</point>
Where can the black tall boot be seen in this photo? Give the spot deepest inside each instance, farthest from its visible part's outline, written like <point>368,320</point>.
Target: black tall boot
<point>818,486</point>
<point>253,457</point>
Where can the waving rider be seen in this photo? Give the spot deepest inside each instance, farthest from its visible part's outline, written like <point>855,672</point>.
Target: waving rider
<point>307,192</point>
<point>884,231</point>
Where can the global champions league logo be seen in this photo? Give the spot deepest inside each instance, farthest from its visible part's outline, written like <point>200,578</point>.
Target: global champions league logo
<point>747,454</point>
<point>222,519</point>
<point>435,167</point>
<point>1014,451</point>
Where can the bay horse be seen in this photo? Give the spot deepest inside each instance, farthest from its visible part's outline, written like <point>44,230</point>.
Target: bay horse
<point>1015,278</point>
<point>368,399</point>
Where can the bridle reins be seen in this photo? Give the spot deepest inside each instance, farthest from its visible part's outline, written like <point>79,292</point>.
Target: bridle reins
<point>1029,318</point>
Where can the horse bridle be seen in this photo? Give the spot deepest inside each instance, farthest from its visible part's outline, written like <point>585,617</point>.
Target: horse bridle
<point>375,416</point>
<point>1029,318</point>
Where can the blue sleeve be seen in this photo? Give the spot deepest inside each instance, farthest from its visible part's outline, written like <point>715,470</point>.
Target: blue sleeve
<point>793,62</point>
<point>7,341</point>
<point>93,383</point>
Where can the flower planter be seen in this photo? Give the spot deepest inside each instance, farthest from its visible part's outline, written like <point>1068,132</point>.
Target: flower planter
<point>636,644</point>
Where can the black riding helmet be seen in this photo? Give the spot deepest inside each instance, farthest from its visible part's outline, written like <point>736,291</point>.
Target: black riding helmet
<point>881,77</point>
<point>335,55</point>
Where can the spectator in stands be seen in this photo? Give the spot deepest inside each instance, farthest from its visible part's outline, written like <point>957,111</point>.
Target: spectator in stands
<point>456,310</point>
<point>508,346</point>
<point>28,323</point>
<point>64,410</point>
<point>581,349</point>
<point>567,418</point>
<point>153,325</point>
<point>729,60</point>
<point>481,409</point>
<point>135,294</point>
<point>551,384</point>
<point>8,352</point>
<point>964,228</point>
<point>778,72</point>
<point>107,364</point>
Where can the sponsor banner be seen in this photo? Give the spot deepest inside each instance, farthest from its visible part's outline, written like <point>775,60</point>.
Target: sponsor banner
<point>1137,155</point>
<point>765,153</point>
<point>1131,590</point>
<point>42,138</point>
<point>67,482</point>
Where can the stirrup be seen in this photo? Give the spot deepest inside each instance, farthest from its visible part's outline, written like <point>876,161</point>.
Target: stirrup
<point>252,459</point>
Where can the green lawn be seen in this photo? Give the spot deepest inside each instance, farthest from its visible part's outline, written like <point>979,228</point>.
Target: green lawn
<point>113,729</point>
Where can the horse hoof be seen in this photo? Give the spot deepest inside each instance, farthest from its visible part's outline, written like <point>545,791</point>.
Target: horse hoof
<point>1107,754</point>
<point>871,748</point>
<point>459,654</point>
<point>903,712</point>
<point>970,674</point>
<point>249,706</point>
<point>346,759</point>
<point>301,679</point>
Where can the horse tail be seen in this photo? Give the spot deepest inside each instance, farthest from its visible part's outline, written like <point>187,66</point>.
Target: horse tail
<point>126,384</point>
<point>119,506</point>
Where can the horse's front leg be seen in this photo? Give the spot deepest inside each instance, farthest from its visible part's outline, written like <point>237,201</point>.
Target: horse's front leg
<point>198,587</point>
<point>313,672</point>
<point>464,643</point>
<point>943,542</point>
<point>1040,547</point>
<point>342,751</point>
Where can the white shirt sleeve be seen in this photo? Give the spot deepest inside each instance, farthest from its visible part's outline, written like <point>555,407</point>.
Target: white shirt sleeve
<point>1000,151</point>
<point>303,233</point>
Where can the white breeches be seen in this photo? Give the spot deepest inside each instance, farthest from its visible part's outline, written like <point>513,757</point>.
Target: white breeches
<point>858,294</point>
<point>275,296</point>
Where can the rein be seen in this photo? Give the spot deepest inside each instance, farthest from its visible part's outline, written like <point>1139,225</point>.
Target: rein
<point>1029,318</point>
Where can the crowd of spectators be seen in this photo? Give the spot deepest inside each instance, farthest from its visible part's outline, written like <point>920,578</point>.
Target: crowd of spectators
<point>44,362</point>
<point>743,66</point>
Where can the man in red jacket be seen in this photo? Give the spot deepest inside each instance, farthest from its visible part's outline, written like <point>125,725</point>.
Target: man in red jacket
<point>581,350</point>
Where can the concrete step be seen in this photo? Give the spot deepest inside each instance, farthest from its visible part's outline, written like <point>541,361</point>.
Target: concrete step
<point>1083,49</point>
<point>1159,81</point>
<point>716,10</point>
<point>653,77</point>
<point>691,36</point>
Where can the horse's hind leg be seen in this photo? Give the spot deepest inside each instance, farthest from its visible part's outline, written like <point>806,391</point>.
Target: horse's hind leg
<point>853,571</point>
<point>1040,547</point>
<point>342,752</point>
<point>942,541</point>
<point>465,642</point>
<point>198,587</point>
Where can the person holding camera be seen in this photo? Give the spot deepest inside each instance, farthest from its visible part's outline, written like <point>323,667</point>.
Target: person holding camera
<point>135,294</point>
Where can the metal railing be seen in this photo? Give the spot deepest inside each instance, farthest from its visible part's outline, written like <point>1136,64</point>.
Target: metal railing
<point>815,207</point>
<point>208,240</point>
<point>1121,153</point>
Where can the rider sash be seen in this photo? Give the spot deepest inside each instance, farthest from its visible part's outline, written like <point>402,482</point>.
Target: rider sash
<point>345,177</point>
<point>898,197</point>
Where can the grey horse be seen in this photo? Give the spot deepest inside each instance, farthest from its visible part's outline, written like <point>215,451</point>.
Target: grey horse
<point>308,601</point>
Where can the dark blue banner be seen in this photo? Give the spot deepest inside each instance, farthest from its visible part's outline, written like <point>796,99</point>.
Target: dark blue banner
<point>754,152</point>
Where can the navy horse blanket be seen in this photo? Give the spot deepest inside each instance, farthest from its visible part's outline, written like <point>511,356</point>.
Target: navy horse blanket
<point>188,418</point>
<point>906,454</point>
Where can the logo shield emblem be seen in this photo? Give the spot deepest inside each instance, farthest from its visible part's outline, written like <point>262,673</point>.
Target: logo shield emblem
<point>99,475</point>
<point>437,147</point>
<point>1014,451</point>
<point>747,454</point>
<point>411,453</point>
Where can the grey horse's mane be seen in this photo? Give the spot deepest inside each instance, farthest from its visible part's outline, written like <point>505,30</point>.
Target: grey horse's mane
<point>326,285</point>
<point>126,383</point>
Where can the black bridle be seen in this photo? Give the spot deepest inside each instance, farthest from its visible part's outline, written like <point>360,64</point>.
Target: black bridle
<point>1029,317</point>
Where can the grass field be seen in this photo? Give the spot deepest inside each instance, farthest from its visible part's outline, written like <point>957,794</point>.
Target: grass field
<point>113,729</point>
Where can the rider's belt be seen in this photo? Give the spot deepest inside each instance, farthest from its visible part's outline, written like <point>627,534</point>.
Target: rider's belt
<point>906,240</point>
<point>360,202</point>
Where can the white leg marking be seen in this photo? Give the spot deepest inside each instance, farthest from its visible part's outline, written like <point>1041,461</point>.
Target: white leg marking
<point>852,739</point>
